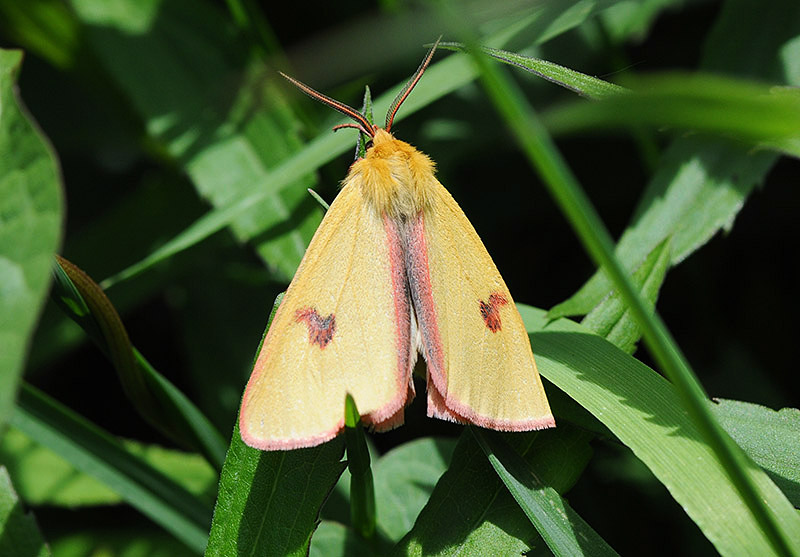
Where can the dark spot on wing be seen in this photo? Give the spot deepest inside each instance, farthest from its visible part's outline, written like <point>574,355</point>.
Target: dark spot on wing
<point>320,329</point>
<point>491,313</point>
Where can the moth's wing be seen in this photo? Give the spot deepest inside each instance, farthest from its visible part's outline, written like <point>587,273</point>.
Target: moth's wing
<point>342,327</point>
<point>480,365</point>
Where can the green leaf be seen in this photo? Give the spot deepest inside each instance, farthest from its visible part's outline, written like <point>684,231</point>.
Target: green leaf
<point>333,539</point>
<point>643,410</point>
<point>770,438</point>
<point>472,513</point>
<point>562,528</point>
<point>586,85</point>
<point>698,189</point>
<point>763,117</point>
<point>30,228</point>
<point>45,478</point>
<point>222,118</point>
<point>612,319</point>
<point>404,480</point>
<point>269,501</point>
<point>94,452</point>
<point>362,487</point>
<point>20,535</point>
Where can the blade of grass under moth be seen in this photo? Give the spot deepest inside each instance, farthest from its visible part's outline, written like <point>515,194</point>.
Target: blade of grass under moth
<point>158,401</point>
<point>562,529</point>
<point>362,488</point>
<point>96,453</point>
<point>563,186</point>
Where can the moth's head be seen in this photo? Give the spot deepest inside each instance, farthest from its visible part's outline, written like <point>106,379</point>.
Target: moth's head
<point>361,122</point>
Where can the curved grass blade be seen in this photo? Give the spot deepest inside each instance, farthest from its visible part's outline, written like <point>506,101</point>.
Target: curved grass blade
<point>157,400</point>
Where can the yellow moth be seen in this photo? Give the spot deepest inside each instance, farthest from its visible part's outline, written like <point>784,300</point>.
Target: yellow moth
<point>395,269</point>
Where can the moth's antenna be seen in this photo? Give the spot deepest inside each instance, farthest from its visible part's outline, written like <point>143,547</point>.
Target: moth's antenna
<point>361,121</point>
<point>404,92</point>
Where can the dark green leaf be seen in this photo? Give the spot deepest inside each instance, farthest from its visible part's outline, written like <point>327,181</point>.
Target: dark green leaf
<point>269,501</point>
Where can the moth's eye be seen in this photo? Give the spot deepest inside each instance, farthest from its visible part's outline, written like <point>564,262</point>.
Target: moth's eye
<point>368,145</point>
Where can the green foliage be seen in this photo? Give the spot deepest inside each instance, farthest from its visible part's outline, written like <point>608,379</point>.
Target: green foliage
<point>187,165</point>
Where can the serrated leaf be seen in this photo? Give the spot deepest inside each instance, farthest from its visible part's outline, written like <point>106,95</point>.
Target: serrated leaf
<point>472,512</point>
<point>771,438</point>
<point>612,319</point>
<point>19,535</point>
<point>30,228</point>
<point>644,412</point>
<point>269,501</point>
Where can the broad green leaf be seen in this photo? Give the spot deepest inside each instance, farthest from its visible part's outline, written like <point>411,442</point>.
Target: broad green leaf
<point>219,116</point>
<point>470,511</point>
<point>404,480</point>
<point>269,501</point>
<point>698,189</point>
<point>30,228</point>
<point>43,477</point>
<point>770,438</point>
<point>19,535</point>
<point>643,410</point>
<point>564,531</point>
<point>754,114</point>
<point>94,452</point>
<point>612,319</point>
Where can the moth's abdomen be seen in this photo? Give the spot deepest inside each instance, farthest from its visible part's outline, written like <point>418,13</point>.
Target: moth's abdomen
<point>394,177</point>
